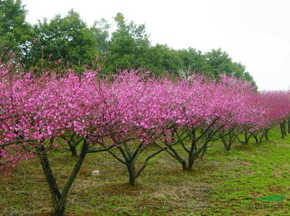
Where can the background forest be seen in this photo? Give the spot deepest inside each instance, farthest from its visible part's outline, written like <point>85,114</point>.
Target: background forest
<point>70,42</point>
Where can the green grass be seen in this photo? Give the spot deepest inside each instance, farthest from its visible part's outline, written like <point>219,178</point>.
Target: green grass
<point>222,183</point>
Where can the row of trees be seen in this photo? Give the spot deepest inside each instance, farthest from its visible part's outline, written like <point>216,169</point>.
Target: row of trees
<point>70,39</point>
<point>125,115</point>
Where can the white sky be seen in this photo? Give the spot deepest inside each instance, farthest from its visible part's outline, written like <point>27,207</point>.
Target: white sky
<point>253,32</point>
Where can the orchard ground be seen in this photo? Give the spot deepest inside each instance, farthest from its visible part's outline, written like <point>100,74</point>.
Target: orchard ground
<point>222,183</point>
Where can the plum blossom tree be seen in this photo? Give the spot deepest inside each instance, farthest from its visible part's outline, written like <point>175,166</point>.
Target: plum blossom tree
<point>125,115</point>
<point>209,108</point>
<point>35,110</point>
<point>277,104</point>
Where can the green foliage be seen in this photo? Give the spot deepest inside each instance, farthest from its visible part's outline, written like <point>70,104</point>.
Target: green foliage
<point>193,61</point>
<point>66,38</point>
<point>69,39</point>
<point>129,46</point>
<point>13,28</point>
<point>219,62</point>
<point>169,59</point>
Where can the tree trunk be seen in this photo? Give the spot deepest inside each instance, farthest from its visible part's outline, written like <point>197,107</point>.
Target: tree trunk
<point>247,138</point>
<point>132,172</point>
<point>73,150</point>
<point>59,199</point>
<point>255,135</point>
<point>59,210</point>
<point>289,125</point>
<point>282,128</point>
<point>191,160</point>
<point>226,144</point>
<point>53,188</point>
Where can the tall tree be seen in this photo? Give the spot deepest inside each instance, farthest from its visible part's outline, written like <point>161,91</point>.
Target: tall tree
<point>14,30</point>
<point>66,38</point>
<point>129,45</point>
<point>218,62</point>
<point>168,59</point>
<point>194,61</point>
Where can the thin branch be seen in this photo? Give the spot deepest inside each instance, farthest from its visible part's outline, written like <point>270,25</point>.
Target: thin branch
<point>100,150</point>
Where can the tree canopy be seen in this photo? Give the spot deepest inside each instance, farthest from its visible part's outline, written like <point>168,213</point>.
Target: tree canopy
<point>14,30</point>
<point>69,41</point>
<point>128,46</point>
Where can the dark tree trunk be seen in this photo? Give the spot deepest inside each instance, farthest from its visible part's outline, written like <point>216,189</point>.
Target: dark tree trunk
<point>289,125</point>
<point>247,138</point>
<point>132,173</point>
<point>58,198</point>
<point>282,128</point>
<point>73,150</point>
<point>255,135</point>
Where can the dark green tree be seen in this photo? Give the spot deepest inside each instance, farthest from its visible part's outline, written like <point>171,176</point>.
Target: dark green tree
<point>218,62</point>
<point>193,61</point>
<point>68,39</point>
<point>248,78</point>
<point>129,46</point>
<point>166,59</point>
<point>238,69</point>
<point>14,30</point>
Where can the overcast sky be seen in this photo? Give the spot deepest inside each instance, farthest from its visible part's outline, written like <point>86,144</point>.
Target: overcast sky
<point>253,32</point>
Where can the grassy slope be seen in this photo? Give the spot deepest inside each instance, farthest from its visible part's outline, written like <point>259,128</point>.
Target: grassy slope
<point>223,183</point>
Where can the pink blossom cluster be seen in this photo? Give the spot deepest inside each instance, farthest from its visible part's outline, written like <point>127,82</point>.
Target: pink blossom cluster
<point>34,108</point>
<point>277,105</point>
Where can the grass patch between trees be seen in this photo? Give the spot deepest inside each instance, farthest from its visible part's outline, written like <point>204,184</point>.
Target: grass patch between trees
<point>222,183</point>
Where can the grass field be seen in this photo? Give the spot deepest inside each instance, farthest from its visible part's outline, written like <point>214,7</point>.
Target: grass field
<point>222,183</point>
